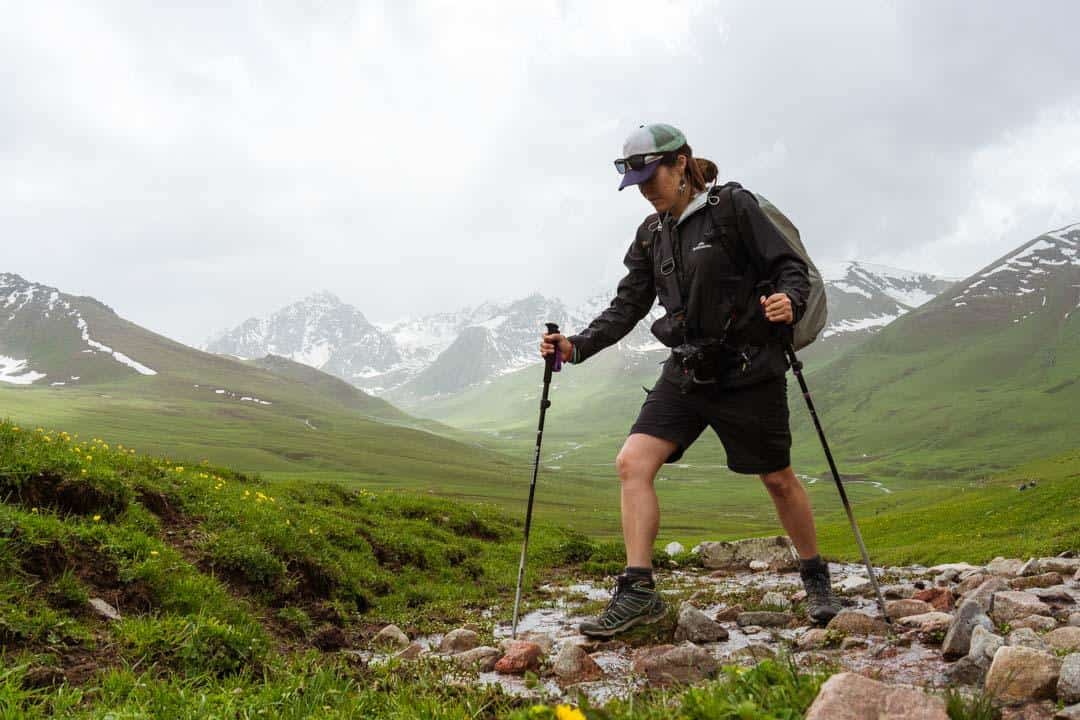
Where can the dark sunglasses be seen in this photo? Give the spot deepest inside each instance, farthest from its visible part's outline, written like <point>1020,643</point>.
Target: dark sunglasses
<point>637,162</point>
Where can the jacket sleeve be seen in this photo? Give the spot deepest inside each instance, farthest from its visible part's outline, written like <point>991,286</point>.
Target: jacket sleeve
<point>633,300</point>
<point>771,254</point>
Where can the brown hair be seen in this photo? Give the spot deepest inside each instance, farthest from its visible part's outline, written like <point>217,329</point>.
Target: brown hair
<point>700,173</point>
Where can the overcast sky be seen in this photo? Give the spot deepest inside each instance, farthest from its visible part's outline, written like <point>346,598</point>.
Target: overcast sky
<point>194,167</point>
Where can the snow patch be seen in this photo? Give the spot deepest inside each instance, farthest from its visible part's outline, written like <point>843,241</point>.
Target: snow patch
<point>15,372</point>
<point>845,326</point>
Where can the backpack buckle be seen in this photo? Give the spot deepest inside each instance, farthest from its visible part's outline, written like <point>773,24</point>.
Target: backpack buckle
<point>667,266</point>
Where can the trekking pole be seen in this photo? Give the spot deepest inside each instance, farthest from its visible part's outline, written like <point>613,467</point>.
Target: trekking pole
<point>796,367</point>
<point>553,363</point>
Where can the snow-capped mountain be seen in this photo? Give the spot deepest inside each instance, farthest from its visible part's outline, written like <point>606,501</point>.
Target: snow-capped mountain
<point>1040,275</point>
<point>323,332</point>
<point>30,312</point>
<point>864,297</point>
<point>446,352</point>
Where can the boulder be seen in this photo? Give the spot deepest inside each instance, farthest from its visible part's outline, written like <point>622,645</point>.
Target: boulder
<point>984,645</point>
<point>1074,619</point>
<point>1056,594</point>
<point>674,548</point>
<point>903,608</point>
<point>854,584</point>
<point>1004,567</point>
<point>778,553</point>
<point>1064,639</point>
<point>520,657</point>
<point>729,613</point>
<point>852,643</point>
<point>897,592</point>
<point>458,641</point>
<point>1045,580</point>
<point>984,594</point>
<point>1026,637</point>
<point>412,652</point>
<point>813,639</point>
<point>574,665</point>
<point>759,565</point>
<point>852,622</point>
<point>928,622</point>
<point>1068,687</point>
<point>957,641</point>
<point>848,696</point>
<point>1019,674</point>
<point>670,664</point>
<point>940,598</point>
<point>481,659</point>
<point>1040,623</point>
<point>1060,565</point>
<point>1030,568</point>
<point>390,638</point>
<point>764,618</point>
<point>696,626</point>
<point>970,583</point>
<point>104,609</point>
<point>1010,605</point>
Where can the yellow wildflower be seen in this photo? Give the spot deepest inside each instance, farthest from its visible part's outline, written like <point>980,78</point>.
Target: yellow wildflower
<point>179,468</point>
<point>153,552</point>
<point>84,471</point>
<point>89,458</point>
<point>105,445</point>
<point>565,712</point>
<point>15,429</point>
<point>97,518</point>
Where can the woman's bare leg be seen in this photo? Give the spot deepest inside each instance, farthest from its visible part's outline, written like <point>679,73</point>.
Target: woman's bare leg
<point>637,464</point>
<point>793,506</point>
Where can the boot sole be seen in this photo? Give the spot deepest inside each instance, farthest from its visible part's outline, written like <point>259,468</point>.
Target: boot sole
<point>632,622</point>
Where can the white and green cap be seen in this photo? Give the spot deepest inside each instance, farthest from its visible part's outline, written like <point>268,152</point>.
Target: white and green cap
<point>647,140</point>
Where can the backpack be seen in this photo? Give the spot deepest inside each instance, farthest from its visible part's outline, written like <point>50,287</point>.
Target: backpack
<point>669,328</point>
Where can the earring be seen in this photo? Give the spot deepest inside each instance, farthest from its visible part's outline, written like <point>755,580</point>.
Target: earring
<point>682,186</point>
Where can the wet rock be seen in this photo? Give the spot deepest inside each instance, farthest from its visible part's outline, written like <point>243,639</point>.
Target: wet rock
<point>957,641</point>
<point>854,584</point>
<point>668,664</point>
<point>674,548</point>
<point>1010,605</point>
<point>777,553</point>
<point>412,652</point>
<point>481,659</point>
<point>940,598</point>
<point>966,671</point>
<point>1065,639</point>
<point>970,583</point>
<point>1068,687</point>
<point>984,594</point>
<point>759,565</point>
<point>1004,567</point>
<point>813,639</point>
<point>773,599</point>
<point>852,622</point>
<point>1026,637</point>
<point>930,622</point>
<point>848,696</point>
<point>1018,674</point>
<point>329,638</point>
<point>104,609</point>
<point>573,665</point>
<point>764,618</point>
<point>903,608</point>
<point>1040,623</point>
<point>1044,580</point>
<point>545,641</point>
<point>390,637</point>
<point>458,641</point>
<point>729,614</point>
<point>696,626</point>
<point>755,652</point>
<point>984,645</point>
<point>521,656</point>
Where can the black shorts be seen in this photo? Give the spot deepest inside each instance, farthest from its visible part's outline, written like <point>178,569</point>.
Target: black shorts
<point>751,422</point>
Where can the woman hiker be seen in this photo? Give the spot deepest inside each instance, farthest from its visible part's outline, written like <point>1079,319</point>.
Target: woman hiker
<point>707,253</point>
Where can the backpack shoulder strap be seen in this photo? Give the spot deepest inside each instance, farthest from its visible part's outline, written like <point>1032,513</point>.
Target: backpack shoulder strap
<point>672,296</point>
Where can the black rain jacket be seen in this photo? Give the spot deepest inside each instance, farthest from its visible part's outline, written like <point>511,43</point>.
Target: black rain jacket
<point>709,277</point>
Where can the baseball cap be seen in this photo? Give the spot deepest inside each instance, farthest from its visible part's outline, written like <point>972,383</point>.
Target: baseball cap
<point>644,150</point>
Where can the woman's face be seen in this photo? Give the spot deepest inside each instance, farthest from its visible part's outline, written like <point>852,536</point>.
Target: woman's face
<point>662,189</point>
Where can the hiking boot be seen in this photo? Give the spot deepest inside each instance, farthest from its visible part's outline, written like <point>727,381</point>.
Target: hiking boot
<point>821,605</point>
<point>634,602</point>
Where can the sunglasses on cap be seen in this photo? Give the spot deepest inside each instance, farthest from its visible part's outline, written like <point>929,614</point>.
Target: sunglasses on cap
<point>637,162</point>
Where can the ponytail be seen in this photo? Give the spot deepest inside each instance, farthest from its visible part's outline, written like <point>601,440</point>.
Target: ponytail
<point>700,173</point>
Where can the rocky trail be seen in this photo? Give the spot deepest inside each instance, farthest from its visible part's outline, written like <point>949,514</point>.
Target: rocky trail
<point>1009,630</point>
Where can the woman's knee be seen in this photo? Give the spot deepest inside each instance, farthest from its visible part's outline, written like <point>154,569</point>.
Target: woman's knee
<point>780,483</point>
<point>634,466</point>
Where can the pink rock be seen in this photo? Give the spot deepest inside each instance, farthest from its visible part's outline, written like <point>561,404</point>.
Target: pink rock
<point>667,664</point>
<point>848,696</point>
<point>941,598</point>
<point>1019,674</point>
<point>574,665</point>
<point>519,658</point>
<point>903,608</point>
